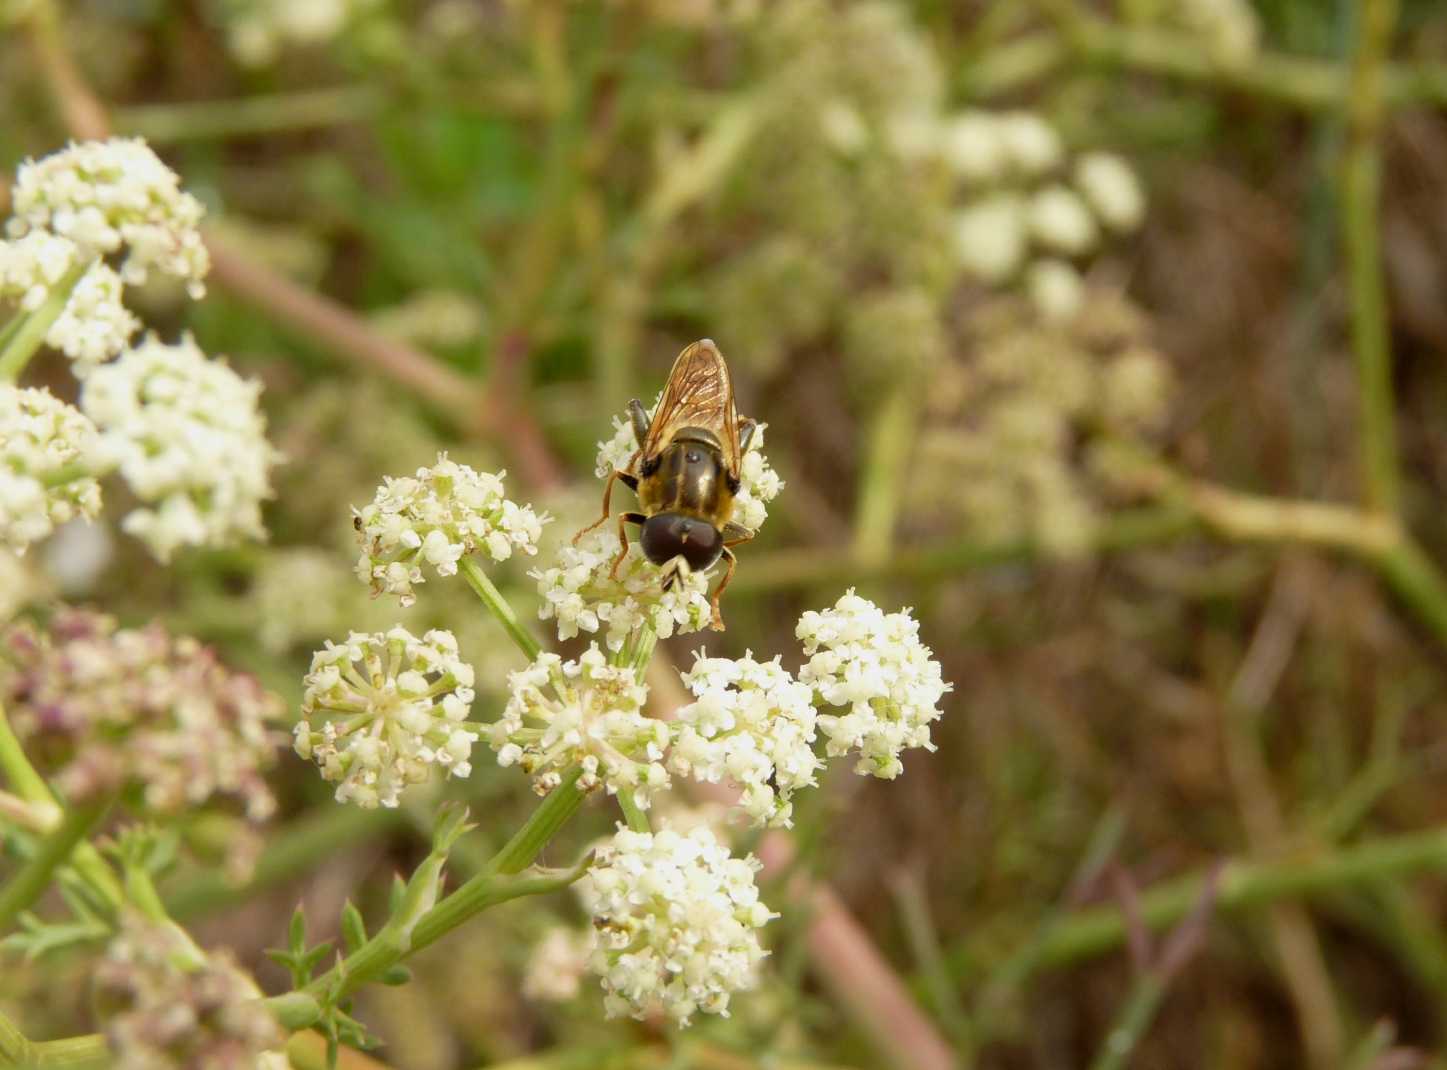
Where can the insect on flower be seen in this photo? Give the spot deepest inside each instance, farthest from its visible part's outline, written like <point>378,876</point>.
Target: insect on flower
<point>686,473</point>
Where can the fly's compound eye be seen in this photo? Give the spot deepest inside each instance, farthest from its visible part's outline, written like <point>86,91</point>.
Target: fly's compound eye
<point>670,535</point>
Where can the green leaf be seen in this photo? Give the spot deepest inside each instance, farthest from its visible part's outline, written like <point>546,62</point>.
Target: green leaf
<point>297,934</point>
<point>354,929</point>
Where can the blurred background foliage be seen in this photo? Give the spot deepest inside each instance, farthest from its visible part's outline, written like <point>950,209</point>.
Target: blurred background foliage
<point>997,391</point>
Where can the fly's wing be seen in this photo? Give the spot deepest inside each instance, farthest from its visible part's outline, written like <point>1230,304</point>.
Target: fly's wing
<point>698,394</point>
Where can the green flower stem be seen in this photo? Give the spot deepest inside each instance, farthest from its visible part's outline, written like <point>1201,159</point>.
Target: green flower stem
<point>499,607</point>
<point>1130,1025</point>
<point>15,1049</point>
<point>80,1053</point>
<point>647,640</point>
<point>27,885</point>
<point>1298,81</point>
<point>890,439</point>
<point>1361,194</point>
<point>26,338</point>
<point>31,787</point>
<point>1242,886</point>
<point>264,113</point>
<point>636,817</point>
<point>487,889</point>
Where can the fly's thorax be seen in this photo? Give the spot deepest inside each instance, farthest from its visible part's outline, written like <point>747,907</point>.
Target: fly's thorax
<point>689,478</point>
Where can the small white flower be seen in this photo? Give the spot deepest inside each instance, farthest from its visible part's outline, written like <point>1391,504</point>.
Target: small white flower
<point>1056,289</point>
<point>677,921</point>
<point>30,265</point>
<point>1030,143</point>
<point>873,665</point>
<point>109,196</point>
<point>842,126</point>
<point>990,237</point>
<point>974,147</point>
<point>1112,189</point>
<point>188,436</point>
<point>398,707</point>
<point>583,712</point>
<point>48,463</point>
<point>752,724</point>
<point>95,325</point>
<point>557,964</point>
<point>1060,220</point>
<point>435,518</point>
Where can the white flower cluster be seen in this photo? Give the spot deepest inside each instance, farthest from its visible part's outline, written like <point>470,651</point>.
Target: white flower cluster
<point>677,922</point>
<point>187,434</point>
<point>381,710</point>
<point>872,664</point>
<point>109,196</point>
<point>752,724</point>
<point>580,593</point>
<point>258,30</point>
<point>94,325</point>
<point>436,517</point>
<point>1016,198</point>
<point>585,712</point>
<point>48,462</point>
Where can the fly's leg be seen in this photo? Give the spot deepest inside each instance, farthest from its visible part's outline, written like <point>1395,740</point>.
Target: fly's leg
<point>641,422</point>
<point>630,480</point>
<point>733,534</point>
<point>623,518</point>
<point>717,623</point>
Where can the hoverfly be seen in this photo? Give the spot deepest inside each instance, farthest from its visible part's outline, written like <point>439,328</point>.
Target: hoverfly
<point>686,473</point>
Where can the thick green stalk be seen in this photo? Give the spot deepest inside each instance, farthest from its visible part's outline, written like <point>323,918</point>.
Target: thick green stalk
<point>32,880</point>
<point>80,1053</point>
<point>498,605</point>
<point>15,1049</point>
<point>487,889</point>
<point>21,344</point>
<point>30,786</point>
<point>1361,191</point>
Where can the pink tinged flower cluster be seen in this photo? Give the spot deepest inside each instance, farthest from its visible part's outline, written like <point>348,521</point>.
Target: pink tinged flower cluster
<point>383,710</point>
<point>164,1006</point>
<point>103,708</point>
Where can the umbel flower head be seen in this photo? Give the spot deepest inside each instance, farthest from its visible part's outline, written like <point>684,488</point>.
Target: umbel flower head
<point>580,593</point>
<point>753,725</point>
<point>164,1006</point>
<point>677,921</point>
<point>873,665</point>
<point>48,458</point>
<point>95,325</point>
<point>107,707</point>
<point>113,197</point>
<point>436,517</point>
<point>397,707</point>
<point>188,436</point>
<point>583,712</point>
